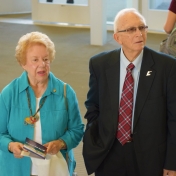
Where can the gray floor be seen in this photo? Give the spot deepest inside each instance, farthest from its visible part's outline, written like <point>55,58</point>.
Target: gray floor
<point>73,51</point>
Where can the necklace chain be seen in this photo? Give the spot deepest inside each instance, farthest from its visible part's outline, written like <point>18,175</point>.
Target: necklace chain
<point>29,104</point>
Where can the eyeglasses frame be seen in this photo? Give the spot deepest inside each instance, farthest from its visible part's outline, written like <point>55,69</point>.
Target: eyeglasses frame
<point>126,30</point>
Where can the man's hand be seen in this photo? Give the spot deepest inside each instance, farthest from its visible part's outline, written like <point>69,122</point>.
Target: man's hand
<point>169,173</point>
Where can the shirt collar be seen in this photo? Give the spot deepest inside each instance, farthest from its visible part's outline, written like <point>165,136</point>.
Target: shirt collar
<point>53,85</point>
<point>137,62</point>
<point>23,82</point>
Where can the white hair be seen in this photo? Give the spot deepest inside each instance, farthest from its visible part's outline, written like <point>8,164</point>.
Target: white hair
<point>125,11</point>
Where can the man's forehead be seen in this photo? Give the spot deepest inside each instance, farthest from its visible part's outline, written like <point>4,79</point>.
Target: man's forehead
<point>130,19</point>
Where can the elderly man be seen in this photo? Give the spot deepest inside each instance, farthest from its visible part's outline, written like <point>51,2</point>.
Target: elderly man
<point>131,106</point>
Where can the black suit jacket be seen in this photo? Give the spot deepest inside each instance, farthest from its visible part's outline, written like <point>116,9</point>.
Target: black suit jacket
<point>154,129</point>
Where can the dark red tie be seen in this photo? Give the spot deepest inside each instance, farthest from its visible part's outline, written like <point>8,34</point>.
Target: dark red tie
<point>126,107</point>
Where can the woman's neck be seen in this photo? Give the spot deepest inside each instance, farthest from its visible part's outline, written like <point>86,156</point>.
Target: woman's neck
<point>39,88</point>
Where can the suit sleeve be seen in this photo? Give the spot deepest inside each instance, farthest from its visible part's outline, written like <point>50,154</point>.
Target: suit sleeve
<point>170,162</point>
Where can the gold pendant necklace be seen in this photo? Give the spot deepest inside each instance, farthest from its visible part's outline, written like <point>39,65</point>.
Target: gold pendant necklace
<point>32,119</point>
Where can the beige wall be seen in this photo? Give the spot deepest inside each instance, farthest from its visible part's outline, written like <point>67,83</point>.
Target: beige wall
<point>14,6</point>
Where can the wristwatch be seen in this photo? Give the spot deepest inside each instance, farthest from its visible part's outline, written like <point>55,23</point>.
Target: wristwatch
<point>63,144</point>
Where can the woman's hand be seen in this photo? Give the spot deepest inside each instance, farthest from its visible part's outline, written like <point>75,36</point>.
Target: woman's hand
<point>54,147</point>
<point>16,148</point>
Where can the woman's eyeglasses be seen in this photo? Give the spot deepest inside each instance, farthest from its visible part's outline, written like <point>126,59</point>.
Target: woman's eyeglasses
<point>132,30</point>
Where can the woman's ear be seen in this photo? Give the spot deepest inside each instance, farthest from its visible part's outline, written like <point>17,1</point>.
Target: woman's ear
<point>23,66</point>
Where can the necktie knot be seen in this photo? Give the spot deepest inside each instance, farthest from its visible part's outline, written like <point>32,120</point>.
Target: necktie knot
<point>130,67</point>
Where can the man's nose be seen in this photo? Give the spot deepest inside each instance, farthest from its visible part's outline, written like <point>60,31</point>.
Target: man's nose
<point>138,31</point>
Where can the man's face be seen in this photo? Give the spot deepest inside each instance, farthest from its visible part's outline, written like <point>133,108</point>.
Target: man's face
<point>134,38</point>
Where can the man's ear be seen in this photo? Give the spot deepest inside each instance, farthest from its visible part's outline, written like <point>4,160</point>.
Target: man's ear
<point>117,38</point>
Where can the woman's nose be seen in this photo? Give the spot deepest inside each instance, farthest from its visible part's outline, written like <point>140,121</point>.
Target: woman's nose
<point>41,63</point>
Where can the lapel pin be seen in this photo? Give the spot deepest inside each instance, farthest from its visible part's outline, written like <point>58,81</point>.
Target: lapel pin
<point>54,90</point>
<point>148,73</point>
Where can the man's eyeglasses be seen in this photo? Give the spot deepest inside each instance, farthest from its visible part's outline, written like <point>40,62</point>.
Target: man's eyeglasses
<point>132,30</point>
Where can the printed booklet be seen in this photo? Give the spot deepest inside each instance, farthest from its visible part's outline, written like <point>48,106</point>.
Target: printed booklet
<point>34,149</point>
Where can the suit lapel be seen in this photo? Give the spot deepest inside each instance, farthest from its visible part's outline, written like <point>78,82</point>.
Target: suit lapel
<point>113,80</point>
<point>146,78</point>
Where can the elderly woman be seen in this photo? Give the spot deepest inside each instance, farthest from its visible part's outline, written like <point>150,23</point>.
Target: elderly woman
<point>34,106</point>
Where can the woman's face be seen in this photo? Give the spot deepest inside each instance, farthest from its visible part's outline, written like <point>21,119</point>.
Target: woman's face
<point>37,64</point>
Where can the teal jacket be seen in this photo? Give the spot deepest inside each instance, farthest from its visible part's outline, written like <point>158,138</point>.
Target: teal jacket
<point>56,121</point>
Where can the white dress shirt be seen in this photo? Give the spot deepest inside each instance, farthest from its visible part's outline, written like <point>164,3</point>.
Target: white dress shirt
<point>124,62</point>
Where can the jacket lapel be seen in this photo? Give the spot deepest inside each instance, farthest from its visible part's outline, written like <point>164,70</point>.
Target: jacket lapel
<point>146,78</point>
<point>113,80</point>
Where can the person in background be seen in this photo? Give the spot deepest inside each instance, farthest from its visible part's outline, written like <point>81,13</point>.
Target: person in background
<point>131,106</point>
<point>171,18</point>
<point>34,106</point>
